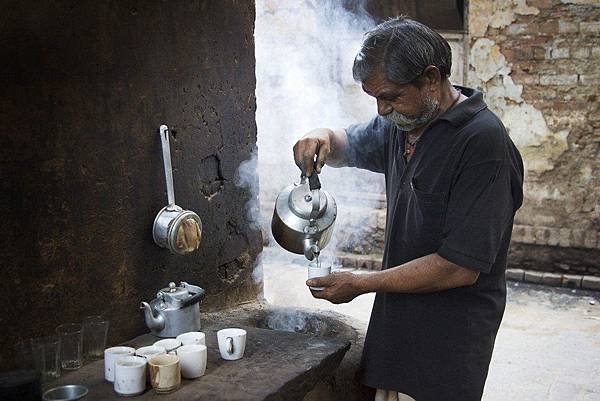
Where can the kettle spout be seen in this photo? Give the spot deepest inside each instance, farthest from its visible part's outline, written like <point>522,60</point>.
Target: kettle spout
<point>155,323</point>
<point>311,249</point>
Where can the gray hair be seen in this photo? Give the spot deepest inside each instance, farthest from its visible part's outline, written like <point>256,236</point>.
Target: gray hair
<point>402,48</point>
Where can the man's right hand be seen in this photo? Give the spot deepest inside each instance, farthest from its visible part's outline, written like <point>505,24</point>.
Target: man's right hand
<point>319,146</point>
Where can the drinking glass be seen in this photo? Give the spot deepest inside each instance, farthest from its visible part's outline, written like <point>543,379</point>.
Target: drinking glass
<point>45,353</point>
<point>70,345</point>
<point>24,355</point>
<point>95,330</point>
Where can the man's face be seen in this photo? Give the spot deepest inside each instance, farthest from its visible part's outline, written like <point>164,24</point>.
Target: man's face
<point>406,105</point>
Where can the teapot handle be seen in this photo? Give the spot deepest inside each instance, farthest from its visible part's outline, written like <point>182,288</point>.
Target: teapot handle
<point>198,294</point>
<point>314,182</point>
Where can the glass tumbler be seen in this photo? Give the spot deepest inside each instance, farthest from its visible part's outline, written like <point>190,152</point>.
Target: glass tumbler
<point>45,353</point>
<point>24,355</point>
<point>70,335</point>
<point>95,331</point>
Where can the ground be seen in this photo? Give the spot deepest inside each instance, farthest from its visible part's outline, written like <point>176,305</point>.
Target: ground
<point>548,346</point>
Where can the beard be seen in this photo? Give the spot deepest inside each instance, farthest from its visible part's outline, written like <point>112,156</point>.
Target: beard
<point>408,123</point>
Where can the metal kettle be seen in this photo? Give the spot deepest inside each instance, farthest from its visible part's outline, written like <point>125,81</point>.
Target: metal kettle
<point>303,218</point>
<point>174,311</point>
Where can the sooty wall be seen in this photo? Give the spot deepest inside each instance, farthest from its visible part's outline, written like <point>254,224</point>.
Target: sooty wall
<point>85,86</point>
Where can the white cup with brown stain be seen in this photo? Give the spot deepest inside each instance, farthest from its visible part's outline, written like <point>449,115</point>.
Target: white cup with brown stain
<point>165,373</point>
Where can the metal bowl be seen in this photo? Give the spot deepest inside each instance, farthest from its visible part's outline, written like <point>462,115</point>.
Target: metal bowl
<point>69,392</point>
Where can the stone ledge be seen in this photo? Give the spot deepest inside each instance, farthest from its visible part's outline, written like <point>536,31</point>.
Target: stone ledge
<point>277,365</point>
<point>591,283</point>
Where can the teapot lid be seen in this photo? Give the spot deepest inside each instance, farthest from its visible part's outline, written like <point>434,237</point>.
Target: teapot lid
<point>175,292</point>
<point>302,201</point>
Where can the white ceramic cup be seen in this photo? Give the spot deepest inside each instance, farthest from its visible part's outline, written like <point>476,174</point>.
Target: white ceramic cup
<point>192,359</point>
<point>192,337</point>
<point>165,373</point>
<point>130,375</point>
<point>169,344</point>
<point>110,355</point>
<point>232,343</point>
<point>316,271</point>
<point>149,351</point>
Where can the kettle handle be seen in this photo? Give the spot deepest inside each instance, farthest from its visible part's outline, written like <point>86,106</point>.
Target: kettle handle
<point>314,182</point>
<point>199,294</point>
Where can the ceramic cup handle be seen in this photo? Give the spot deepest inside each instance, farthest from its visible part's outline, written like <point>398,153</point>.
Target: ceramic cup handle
<point>229,342</point>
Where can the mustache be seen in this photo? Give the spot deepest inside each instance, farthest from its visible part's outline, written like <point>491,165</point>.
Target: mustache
<point>408,123</point>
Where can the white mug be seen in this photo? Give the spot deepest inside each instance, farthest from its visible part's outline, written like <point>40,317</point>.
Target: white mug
<point>149,351</point>
<point>130,375</point>
<point>316,271</point>
<point>192,359</point>
<point>110,355</point>
<point>192,337</point>
<point>169,344</point>
<point>232,343</point>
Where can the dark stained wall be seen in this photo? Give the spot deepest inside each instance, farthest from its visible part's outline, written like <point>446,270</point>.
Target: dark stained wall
<point>85,86</point>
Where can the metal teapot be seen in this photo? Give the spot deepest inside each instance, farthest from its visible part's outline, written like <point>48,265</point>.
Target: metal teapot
<point>303,218</point>
<point>174,311</point>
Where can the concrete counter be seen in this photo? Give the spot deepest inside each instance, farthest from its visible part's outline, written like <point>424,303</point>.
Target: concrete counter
<point>277,365</point>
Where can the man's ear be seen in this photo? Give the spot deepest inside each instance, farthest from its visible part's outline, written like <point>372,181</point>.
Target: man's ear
<point>432,76</point>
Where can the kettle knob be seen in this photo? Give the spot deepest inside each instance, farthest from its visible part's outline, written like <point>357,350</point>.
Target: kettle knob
<point>172,287</point>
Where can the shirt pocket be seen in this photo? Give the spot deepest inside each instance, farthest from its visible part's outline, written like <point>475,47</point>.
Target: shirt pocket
<point>430,212</point>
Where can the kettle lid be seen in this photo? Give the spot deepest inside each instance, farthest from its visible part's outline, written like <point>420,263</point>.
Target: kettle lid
<point>175,292</point>
<point>303,201</point>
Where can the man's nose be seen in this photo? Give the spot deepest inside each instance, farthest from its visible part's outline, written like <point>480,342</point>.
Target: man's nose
<point>383,107</point>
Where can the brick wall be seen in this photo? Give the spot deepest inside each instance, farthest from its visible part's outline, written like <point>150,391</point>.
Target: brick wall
<point>537,63</point>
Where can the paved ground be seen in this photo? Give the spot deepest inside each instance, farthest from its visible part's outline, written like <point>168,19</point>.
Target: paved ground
<point>548,347</point>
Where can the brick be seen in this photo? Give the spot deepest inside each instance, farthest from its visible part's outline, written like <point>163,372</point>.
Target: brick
<point>580,52</point>
<point>589,27</point>
<point>541,53</point>
<point>590,283</point>
<point>596,52</point>
<point>567,27</point>
<point>560,53</point>
<point>590,239</point>
<point>515,274</point>
<point>533,277</point>
<point>516,29</point>
<point>540,3</point>
<point>577,238</point>
<point>549,27</point>
<point>553,279</point>
<point>554,238</point>
<point>589,79</point>
<point>541,235</point>
<point>571,280</point>
<point>565,237</point>
<point>558,79</point>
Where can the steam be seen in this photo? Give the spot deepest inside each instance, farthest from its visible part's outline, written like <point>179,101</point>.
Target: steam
<point>304,55</point>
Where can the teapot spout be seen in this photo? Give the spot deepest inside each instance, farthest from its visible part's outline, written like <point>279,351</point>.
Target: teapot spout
<point>311,248</point>
<point>154,323</point>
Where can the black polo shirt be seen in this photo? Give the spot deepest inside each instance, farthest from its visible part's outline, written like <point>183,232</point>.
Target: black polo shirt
<point>457,196</point>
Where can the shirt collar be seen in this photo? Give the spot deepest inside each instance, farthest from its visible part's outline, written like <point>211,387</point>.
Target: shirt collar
<point>466,109</point>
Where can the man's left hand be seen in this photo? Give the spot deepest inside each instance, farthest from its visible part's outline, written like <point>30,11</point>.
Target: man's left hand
<point>340,287</point>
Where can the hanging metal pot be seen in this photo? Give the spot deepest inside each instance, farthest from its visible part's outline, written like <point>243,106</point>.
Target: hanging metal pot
<point>175,228</point>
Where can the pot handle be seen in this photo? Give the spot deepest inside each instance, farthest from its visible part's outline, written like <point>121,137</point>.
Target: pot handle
<point>198,293</point>
<point>314,182</point>
<point>166,149</point>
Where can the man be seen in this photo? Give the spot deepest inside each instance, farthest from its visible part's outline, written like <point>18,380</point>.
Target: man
<point>453,183</point>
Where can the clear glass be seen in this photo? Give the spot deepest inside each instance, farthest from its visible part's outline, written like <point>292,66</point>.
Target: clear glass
<point>71,355</point>
<point>24,355</point>
<point>95,332</point>
<point>45,353</point>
